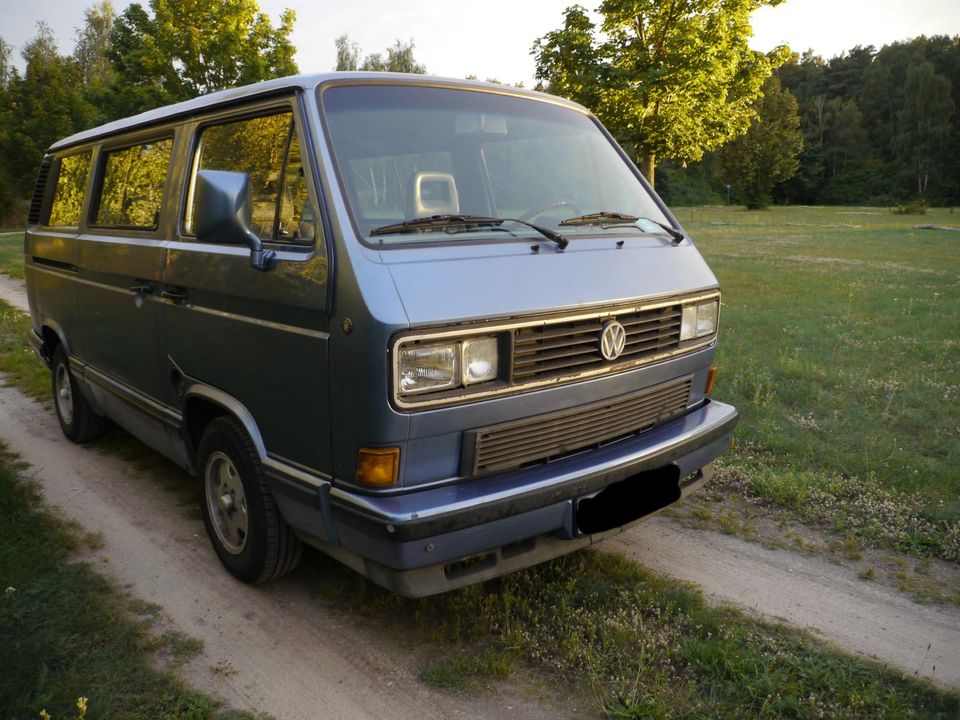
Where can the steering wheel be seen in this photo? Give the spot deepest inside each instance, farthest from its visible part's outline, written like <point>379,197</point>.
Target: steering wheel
<point>577,210</point>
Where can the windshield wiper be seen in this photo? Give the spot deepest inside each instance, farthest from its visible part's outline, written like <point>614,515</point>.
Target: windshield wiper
<point>678,237</point>
<point>436,222</point>
<point>600,218</point>
<point>609,218</point>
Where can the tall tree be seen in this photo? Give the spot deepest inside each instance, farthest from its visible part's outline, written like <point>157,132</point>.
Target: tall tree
<point>44,104</point>
<point>348,54</point>
<point>767,153</point>
<point>6,70</point>
<point>399,58</point>
<point>190,47</point>
<point>7,192</point>
<point>93,45</point>
<point>846,137</point>
<point>923,122</point>
<point>670,79</point>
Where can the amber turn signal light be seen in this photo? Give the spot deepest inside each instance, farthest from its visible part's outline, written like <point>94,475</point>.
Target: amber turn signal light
<point>710,378</point>
<point>378,467</point>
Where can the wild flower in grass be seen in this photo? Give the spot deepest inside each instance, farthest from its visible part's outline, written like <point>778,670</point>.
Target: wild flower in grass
<point>804,422</point>
<point>81,706</point>
<point>888,386</point>
<point>857,507</point>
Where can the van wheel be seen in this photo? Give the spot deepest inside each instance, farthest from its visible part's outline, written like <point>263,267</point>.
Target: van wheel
<point>77,419</point>
<point>250,537</point>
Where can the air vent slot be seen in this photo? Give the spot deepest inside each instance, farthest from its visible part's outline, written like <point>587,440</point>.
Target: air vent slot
<point>39,190</point>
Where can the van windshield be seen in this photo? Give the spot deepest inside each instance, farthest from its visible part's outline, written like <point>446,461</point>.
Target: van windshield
<point>407,152</point>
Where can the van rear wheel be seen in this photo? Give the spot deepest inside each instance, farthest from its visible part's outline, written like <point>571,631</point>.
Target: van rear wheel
<point>78,421</point>
<point>248,534</point>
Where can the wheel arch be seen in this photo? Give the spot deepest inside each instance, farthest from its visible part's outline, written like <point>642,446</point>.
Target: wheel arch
<point>203,403</point>
<point>53,336</point>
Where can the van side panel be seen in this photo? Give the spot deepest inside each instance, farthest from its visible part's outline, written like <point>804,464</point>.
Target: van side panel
<point>119,318</point>
<point>50,269</point>
<point>260,337</point>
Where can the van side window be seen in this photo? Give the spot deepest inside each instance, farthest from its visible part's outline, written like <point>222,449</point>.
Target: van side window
<point>132,187</point>
<point>298,219</point>
<point>265,148</point>
<point>71,185</point>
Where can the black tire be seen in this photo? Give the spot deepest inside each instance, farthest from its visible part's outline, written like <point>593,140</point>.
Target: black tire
<point>243,522</point>
<point>77,418</point>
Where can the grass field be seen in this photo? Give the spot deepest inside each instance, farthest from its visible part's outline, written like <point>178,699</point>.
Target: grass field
<point>11,253</point>
<point>840,345</point>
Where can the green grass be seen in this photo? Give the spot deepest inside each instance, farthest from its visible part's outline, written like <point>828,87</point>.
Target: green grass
<point>643,646</point>
<point>66,633</point>
<point>17,359</point>
<point>11,254</point>
<point>840,346</point>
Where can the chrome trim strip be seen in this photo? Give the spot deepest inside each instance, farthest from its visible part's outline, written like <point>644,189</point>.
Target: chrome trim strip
<point>134,397</point>
<point>282,327</point>
<point>594,314</point>
<point>233,406</point>
<point>313,478</point>
<point>83,281</point>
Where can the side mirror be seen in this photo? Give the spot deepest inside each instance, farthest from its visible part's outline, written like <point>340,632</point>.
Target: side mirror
<point>222,214</point>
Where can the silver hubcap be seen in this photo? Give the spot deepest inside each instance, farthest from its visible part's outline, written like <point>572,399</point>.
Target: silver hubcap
<point>63,394</point>
<point>226,502</point>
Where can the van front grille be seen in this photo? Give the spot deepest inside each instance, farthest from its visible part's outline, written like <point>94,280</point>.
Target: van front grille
<point>565,348</point>
<point>521,443</point>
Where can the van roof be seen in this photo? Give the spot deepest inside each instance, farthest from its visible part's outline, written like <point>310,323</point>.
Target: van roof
<point>293,82</point>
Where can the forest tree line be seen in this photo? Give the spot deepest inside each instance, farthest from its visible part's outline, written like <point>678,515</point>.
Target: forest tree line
<point>879,127</point>
<point>867,127</point>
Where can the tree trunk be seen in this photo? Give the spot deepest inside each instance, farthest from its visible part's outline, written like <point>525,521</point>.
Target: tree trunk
<point>648,164</point>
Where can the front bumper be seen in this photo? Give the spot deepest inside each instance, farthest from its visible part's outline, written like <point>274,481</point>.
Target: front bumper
<point>407,542</point>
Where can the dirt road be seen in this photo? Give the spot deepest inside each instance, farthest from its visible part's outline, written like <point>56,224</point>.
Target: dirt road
<point>285,650</point>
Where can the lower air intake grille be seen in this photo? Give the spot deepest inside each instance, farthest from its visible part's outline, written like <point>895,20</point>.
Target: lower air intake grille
<point>520,443</point>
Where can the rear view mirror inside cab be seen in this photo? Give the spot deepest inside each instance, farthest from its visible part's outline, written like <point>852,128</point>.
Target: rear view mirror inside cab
<point>433,193</point>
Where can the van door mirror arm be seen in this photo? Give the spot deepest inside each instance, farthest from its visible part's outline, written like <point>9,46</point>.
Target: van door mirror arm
<point>261,259</point>
<point>223,213</point>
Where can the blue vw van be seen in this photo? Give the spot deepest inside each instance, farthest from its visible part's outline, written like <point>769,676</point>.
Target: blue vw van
<point>441,330</point>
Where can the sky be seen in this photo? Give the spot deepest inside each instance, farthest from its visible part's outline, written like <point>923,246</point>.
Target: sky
<point>492,39</point>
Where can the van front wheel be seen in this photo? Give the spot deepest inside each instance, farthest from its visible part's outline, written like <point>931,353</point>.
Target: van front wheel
<point>244,524</point>
<point>77,419</point>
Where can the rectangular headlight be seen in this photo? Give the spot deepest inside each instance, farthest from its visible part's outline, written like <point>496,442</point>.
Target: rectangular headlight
<point>436,367</point>
<point>479,360</point>
<point>699,320</point>
<point>707,314</point>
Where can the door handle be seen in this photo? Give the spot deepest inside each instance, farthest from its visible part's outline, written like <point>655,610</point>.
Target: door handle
<point>175,293</point>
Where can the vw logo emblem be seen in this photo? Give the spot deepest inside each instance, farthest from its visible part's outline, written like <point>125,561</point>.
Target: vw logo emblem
<point>613,338</point>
